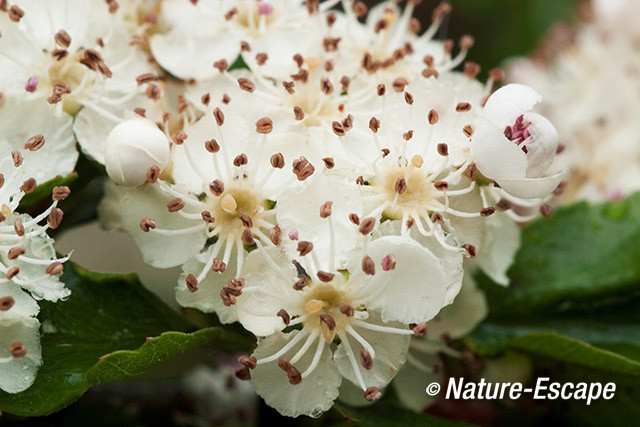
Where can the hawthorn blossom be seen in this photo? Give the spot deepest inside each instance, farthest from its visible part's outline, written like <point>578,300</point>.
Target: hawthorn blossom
<point>76,59</point>
<point>30,270</point>
<point>366,301</point>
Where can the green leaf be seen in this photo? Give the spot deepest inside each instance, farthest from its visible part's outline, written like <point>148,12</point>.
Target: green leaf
<point>385,414</point>
<point>100,334</point>
<point>583,257</point>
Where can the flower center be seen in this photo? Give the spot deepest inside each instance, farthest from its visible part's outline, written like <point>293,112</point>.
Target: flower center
<point>235,210</point>
<point>406,190</point>
<point>70,72</point>
<point>518,132</point>
<point>254,16</point>
<point>324,303</point>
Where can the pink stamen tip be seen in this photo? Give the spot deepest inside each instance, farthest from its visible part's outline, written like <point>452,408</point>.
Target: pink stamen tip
<point>264,8</point>
<point>389,262</point>
<point>293,234</point>
<point>519,132</point>
<point>32,84</point>
<point>616,194</point>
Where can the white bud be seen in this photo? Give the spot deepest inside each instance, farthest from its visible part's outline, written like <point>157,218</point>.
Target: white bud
<point>132,148</point>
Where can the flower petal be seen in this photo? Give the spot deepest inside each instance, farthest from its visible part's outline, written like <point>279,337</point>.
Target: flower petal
<point>495,156</point>
<point>19,373</point>
<point>508,103</point>
<point>531,188</point>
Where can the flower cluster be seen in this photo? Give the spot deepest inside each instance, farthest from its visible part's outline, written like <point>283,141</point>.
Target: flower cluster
<point>322,173</point>
<point>589,73</point>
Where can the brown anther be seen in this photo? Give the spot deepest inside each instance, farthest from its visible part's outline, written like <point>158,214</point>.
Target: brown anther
<point>437,217</point>
<point>463,107</point>
<point>261,58</point>
<point>429,72</point>
<point>301,75</point>
<point>17,158</point>
<point>15,13</point>
<point>443,149</point>
<point>243,374</point>
<point>304,247</point>
<point>15,252</point>
<point>399,84</point>
<point>381,89</point>
<point>245,219</point>
<point>205,99</point>
<point>104,70</point>
<point>466,42</point>
<point>248,361</point>
<point>467,131</point>
<point>331,19</point>
<point>154,92</point>
<point>55,217</point>
<point>329,163</point>
<point>471,250</point>
<point>368,266</point>
<point>277,160</point>
<point>240,160</point>
<point>347,310</point>
<point>301,282</point>
<point>34,143</point>
<point>264,125</point>
<point>234,287</point>
<point>441,185</point>
<point>546,210</point>
<point>496,74</point>
<point>408,98</point>
<point>19,228</point>
<point>302,168</point>
<point>54,268</point>
<point>420,330</point>
<point>401,185</point>
<point>354,218</point>
<point>325,86</point>
<point>367,225</point>
<point>329,321</point>
<point>247,237</point>
<point>360,9</point>
<point>415,26</point>
<point>289,87</point>
<point>324,276</point>
<point>558,190</point>
<point>153,173</point>
<point>374,124</point>
<point>146,78</point>
<point>487,211</point>
<point>503,204</point>
<point>1,180</point>
<point>221,65</point>
<point>365,359</point>
<point>471,171</point>
<point>6,303</point>
<point>207,217</point>
<point>227,300</point>
<point>140,111</point>
<point>345,81</point>
<point>219,116</point>
<point>216,187</point>
<point>298,113</point>
<point>294,376</point>
<point>59,54</point>
<point>175,204</point>
<point>433,117</point>
<point>28,186</point>
<point>471,69</point>
<point>212,146</point>
<point>17,350</point>
<point>338,128</point>
<point>347,122</point>
<point>246,84</point>
<point>372,393</point>
<point>325,209</point>
<point>179,137</point>
<point>62,39</point>
<point>230,13</point>
<point>12,272</point>
<point>192,283</point>
<point>244,46</point>
<point>219,266</point>
<point>113,6</point>
<point>275,235</point>
<point>284,364</point>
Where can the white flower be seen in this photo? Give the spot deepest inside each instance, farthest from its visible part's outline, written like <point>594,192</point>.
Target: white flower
<point>76,58</point>
<point>29,271</point>
<point>364,301</point>
<point>516,147</point>
<point>133,147</point>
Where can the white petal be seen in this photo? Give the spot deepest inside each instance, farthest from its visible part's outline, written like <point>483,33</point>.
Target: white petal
<point>257,311</point>
<point>411,382</point>
<point>390,354</point>
<point>495,156</point>
<point>531,188</point>
<point>159,250</point>
<point>413,292</point>
<point>24,306</point>
<point>499,246</point>
<point>508,103</point>
<point>207,297</point>
<point>313,396</point>
<point>19,373</point>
